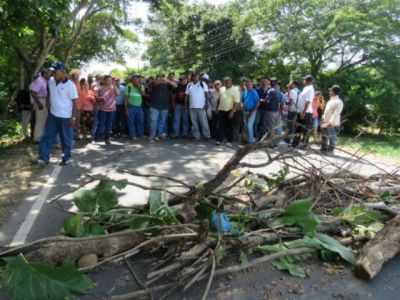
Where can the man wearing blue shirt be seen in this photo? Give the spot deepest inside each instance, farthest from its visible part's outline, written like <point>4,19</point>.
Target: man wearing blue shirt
<point>120,126</point>
<point>251,102</point>
<point>262,91</point>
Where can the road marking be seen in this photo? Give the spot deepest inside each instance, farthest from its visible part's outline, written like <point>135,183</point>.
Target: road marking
<point>26,226</point>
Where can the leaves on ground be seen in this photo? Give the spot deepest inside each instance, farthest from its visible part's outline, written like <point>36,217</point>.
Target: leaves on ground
<point>35,281</point>
<point>298,213</point>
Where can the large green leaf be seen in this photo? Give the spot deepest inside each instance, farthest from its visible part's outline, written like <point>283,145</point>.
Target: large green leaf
<point>107,198</point>
<point>294,270</point>
<point>143,221</point>
<point>75,226</point>
<point>95,229</point>
<point>86,200</point>
<point>155,197</point>
<point>36,281</point>
<point>333,245</point>
<point>298,213</point>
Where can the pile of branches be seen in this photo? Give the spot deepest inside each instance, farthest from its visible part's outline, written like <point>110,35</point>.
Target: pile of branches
<point>311,206</point>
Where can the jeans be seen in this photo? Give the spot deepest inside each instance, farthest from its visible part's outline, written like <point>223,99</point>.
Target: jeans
<point>249,119</point>
<point>135,121</point>
<point>259,125</point>
<point>147,120</point>
<point>54,127</point>
<point>105,121</point>
<point>328,140</point>
<point>199,115</point>
<point>291,125</point>
<point>271,121</point>
<point>120,125</point>
<point>158,119</point>
<point>181,113</point>
<point>95,117</point>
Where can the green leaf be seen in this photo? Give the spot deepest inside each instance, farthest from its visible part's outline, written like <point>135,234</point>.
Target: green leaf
<point>294,270</point>
<point>298,213</point>
<point>243,257</point>
<point>107,198</point>
<point>154,201</point>
<point>333,245</point>
<point>120,185</point>
<point>85,200</point>
<point>74,226</point>
<point>143,221</point>
<point>220,254</point>
<point>204,211</point>
<point>34,281</point>
<point>95,229</point>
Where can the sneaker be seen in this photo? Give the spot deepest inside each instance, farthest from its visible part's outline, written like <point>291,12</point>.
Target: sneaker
<point>228,144</point>
<point>108,142</point>
<point>64,163</point>
<point>134,138</point>
<point>217,143</point>
<point>94,142</point>
<point>39,162</point>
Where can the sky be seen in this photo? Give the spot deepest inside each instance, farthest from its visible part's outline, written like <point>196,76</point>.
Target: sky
<point>138,10</point>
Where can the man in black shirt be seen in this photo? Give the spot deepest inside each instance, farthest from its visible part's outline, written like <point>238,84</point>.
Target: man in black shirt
<point>181,111</point>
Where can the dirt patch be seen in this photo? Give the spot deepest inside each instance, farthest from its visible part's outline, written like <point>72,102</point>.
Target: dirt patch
<point>16,174</point>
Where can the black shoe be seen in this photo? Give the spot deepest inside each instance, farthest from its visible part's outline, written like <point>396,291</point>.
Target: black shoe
<point>108,142</point>
<point>39,162</point>
<point>64,163</point>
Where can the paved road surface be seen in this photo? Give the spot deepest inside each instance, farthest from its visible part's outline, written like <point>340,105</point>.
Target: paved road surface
<point>193,162</point>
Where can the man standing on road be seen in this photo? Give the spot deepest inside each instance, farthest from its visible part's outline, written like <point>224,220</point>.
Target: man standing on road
<point>180,108</point>
<point>259,127</point>
<point>120,126</point>
<point>292,96</point>
<point>61,102</point>
<point>330,120</point>
<point>196,96</point>
<point>229,102</point>
<point>304,112</point>
<point>251,102</point>
<point>133,107</point>
<point>159,106</point>
<point>38,90</point>
<point>272,109</point>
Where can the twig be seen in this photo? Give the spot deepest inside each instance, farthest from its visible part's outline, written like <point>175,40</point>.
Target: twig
<point>210,279</point>
<point>137,279</point>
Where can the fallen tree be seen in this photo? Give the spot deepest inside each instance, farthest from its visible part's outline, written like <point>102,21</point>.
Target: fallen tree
<point>313,204</point>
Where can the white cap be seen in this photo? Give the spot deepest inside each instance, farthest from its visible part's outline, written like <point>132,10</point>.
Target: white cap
<point>206,77</point>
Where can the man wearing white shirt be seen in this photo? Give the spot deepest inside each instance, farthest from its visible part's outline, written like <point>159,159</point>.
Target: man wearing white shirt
<point>330,121</point>
<point>196,96</point>
<point>61,101</point>
<point>304,112</point>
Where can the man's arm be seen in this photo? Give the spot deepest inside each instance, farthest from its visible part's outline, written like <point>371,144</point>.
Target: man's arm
<point>186,101</point>
<point>71,121</point>
<point>36,99</point>
<point>173,100</point>
<point>173,84</point>
<point>126,104</point>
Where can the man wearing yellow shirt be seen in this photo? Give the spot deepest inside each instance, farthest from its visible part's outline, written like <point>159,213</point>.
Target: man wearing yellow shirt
<point>229,101</point>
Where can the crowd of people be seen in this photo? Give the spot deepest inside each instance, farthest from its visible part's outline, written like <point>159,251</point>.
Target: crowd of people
<point>67,107</point>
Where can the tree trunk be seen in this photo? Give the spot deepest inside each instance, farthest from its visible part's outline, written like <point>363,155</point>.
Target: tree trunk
<point>384,246</point>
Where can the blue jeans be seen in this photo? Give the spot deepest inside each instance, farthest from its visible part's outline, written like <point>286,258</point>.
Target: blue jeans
<point>105,121</point>
<point>181,113</point>
<point>95,118</point>
<point>249,121</point>
<point>158,119</point>
<point>328,140</point>
<point>56,126</point>
<point>135,121</point>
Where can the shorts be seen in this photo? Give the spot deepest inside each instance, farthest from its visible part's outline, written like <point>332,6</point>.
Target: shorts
<point>314,123</point>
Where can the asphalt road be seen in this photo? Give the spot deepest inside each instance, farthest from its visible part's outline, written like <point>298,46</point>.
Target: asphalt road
<point>192,162</point>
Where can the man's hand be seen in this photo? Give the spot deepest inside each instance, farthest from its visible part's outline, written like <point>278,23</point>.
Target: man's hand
<point>231,114</point>
<point>302,115</point>
<point>329,125</point>
<point>71,123</point>
<point>39,105</point>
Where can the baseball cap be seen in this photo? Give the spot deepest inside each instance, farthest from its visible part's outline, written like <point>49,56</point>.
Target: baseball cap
<point>226,78</point>
<point>217,82</point>
<point>206,77</point>
<point>308,78</point>
<point>335,88</point>
<point>134,76</point>
<point>58,66</point>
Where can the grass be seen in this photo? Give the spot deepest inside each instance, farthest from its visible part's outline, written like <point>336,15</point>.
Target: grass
<point>385,145</point>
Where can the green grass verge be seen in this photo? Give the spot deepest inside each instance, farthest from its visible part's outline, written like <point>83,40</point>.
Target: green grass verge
<point>387,145</point>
